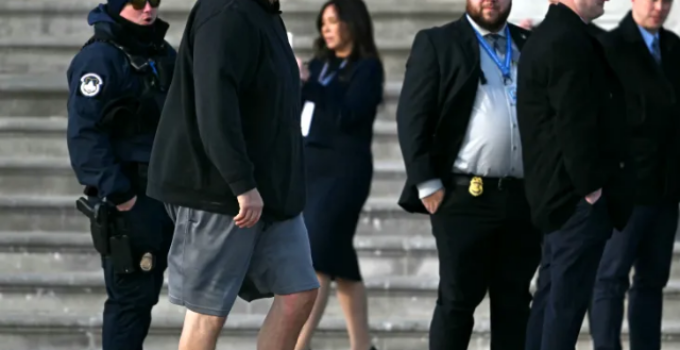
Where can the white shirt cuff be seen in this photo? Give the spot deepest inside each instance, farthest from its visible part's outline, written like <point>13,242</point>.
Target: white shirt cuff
<point>427,188</point>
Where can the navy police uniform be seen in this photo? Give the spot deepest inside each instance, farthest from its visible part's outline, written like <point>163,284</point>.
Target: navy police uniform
<point>117,87</point>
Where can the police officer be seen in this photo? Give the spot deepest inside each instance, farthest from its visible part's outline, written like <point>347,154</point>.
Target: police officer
<point>117,87</point>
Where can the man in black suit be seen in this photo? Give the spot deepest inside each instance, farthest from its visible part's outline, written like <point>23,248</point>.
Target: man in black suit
<point>528,24</point>
<point>574,152</point>
<point>458,132</point>
<point>645,58</point>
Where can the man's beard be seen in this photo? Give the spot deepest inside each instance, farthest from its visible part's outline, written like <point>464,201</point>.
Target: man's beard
<point>493,25</point>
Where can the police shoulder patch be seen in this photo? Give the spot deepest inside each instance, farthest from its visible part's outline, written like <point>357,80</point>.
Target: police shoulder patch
<point>90,84</point>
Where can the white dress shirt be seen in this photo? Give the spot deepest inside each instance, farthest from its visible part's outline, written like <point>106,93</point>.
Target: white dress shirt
<point>491,146</point>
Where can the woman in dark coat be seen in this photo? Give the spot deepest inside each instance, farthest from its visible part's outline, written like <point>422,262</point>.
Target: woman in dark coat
<point>341,93</point>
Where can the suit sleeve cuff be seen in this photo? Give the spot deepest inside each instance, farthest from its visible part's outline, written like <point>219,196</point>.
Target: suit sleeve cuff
<point>119,198</point>
<point>427,188</point>
<point>240,187</point>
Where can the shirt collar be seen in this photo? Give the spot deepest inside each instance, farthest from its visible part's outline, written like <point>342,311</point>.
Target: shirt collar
<point>483,31</point>
<point>648,37</point>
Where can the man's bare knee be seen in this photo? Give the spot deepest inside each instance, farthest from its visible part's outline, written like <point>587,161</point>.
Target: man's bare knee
<point>203,325</point>
<point>295,304</point>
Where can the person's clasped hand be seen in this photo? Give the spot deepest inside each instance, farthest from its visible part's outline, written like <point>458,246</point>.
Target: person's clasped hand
<point>304,71</point>
<point>433,201</point>
<point>250,204</point>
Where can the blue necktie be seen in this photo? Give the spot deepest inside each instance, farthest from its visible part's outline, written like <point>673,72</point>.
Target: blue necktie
<point>656,50</point>
<point>498,43</point>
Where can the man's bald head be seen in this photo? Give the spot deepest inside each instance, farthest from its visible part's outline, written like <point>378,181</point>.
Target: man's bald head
<point>588,10</point>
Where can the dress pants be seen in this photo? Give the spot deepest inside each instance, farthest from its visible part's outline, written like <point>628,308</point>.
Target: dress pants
<point>566,277</point>
<point>485,244</point>
<point>646,243</point>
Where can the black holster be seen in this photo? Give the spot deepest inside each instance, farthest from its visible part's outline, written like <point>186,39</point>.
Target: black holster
<point>109,233</point>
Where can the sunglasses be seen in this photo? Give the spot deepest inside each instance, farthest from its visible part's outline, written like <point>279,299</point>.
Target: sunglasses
<point>139,4</point>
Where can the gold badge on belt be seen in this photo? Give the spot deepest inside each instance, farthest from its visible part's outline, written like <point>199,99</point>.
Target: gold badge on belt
<point>476,186</point>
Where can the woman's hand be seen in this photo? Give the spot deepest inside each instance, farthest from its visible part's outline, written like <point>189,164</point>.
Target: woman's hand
<point>304,72</point>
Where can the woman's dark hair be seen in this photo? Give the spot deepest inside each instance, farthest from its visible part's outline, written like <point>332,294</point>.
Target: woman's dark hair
<point>354,14</point>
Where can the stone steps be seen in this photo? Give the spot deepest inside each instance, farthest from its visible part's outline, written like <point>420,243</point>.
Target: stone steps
<point>48,55</point>
<point>62,18</point>
<point>31,41</point>
<point>379,216</point>
<point>36,176</point>
<point>45,94</point>
<point>384,255</point>
<point>20,331</point>
<point>24,137</point>
<point>83,295</point>
<point>49,309</point>
<point>54,253</point>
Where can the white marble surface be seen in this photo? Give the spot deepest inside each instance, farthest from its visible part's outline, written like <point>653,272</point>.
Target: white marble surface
<point>614,11</point>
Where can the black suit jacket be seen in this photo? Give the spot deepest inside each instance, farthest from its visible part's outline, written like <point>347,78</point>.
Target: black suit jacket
<point>653,108</point>
<point>571,121</point>
<point>442,76</point>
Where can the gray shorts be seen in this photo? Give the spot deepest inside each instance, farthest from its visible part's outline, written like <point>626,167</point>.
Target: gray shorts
<point>212,261</point>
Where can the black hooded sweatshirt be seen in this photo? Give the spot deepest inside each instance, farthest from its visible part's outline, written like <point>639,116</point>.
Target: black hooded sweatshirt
<point>231,122</point>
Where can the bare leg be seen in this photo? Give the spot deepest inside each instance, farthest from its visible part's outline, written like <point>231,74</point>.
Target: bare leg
<point>200,332</point>
<point>312,323</point>
<point>282,326</point>
<point>354,303</point>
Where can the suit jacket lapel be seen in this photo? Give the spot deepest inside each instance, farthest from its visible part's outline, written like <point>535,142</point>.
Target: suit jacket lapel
<point>518,37</point>
<point>632,34</point>
<point>667,48</point>
<point>468,40</point>
<point>639,49</point>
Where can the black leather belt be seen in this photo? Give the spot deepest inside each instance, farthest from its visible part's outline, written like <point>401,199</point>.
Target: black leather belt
<point>499,183</point>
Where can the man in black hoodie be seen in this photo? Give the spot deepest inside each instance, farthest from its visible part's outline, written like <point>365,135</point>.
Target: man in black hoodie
<point>228,163</point>
<point>117,87</point>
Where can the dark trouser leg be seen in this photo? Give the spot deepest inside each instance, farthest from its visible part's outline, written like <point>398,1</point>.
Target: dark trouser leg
<point>612,282</point>
<point>463,231</point>
<point>534,332</point>
<point>127,311</point>
<point>575,252</point>
<point>517,253</point>
<point>652,271</point>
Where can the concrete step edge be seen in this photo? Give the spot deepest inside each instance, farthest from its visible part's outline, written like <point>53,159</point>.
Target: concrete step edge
<point>76,282</point>
<point>381,128</point>
<point>56,164</point>
<point>377,8</point>
<point>39,323</point>
<point>33,124</point>
<point>375,208</point>
<point>80,241</point>
<point>61,200</point>
<point>384,169</point>
<point>56,83</point>
<point>301,43</point>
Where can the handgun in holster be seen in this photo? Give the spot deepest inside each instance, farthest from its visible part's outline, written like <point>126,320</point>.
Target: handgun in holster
<point>109,234</point>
